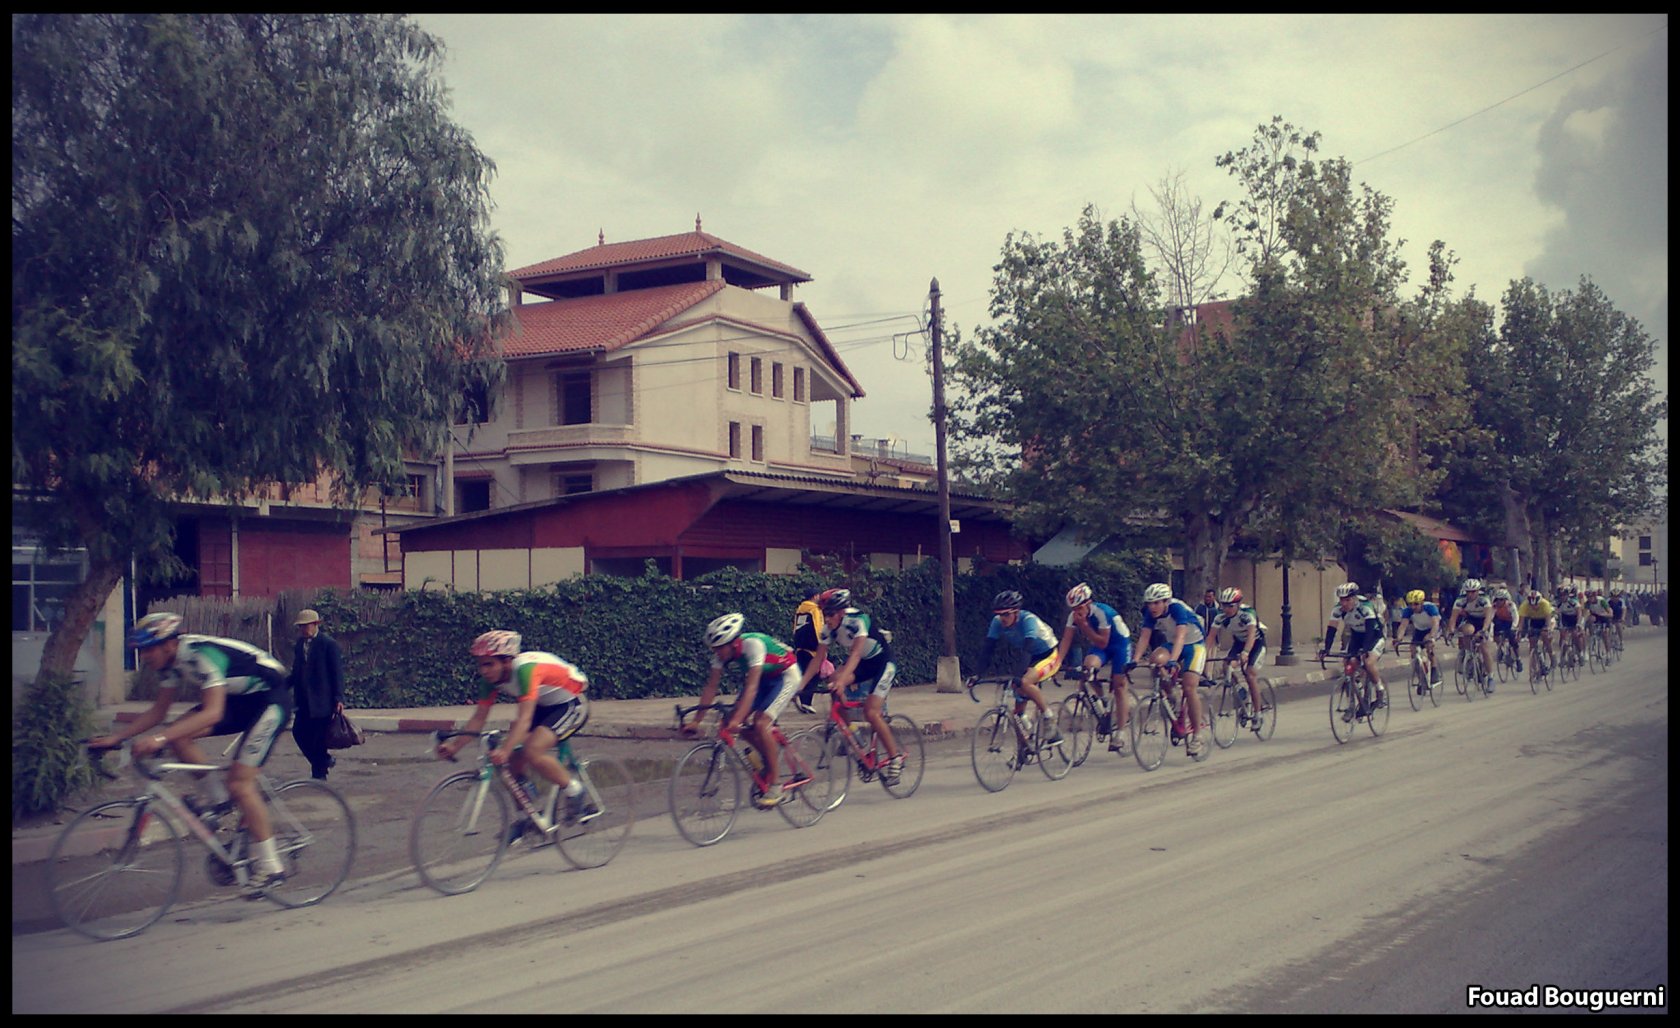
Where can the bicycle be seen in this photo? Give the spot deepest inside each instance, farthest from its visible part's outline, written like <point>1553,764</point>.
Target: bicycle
<point>853,742</point>
<point>1505,657</point>
<point>117,868</point>
<point>1539,668</point>
<point>1156,718</point>
<point>1598,648</point>
<point>1234,708</point>
<point>1003,742</point>
<point>1569,655</point>
<point>1422,680</point>
<point>461,830</point>
<point>1356,696</point>
<point>705,789</point>
<point>1086,717</point>
<point>1470,674</point>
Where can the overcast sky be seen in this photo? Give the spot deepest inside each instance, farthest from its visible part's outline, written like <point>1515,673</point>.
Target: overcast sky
<point>876,152</point>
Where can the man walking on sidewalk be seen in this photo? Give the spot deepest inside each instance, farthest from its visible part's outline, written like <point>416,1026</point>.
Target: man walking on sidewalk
<point>317,683</point>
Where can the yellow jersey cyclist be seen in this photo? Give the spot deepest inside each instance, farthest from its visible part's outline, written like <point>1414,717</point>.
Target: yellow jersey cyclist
<point>1037,658</point>
<point>1358,619</point>
<point>1425,619</point>
<point>1248,638</point>
<point>765,691</point>
<point>1470,616</point>
<point>241,689</point>
<point>1103,635</point>
<point>546,689</point>
<point>1177,635</point>
<point>868,671</point>
<point>810,648</point>
<point>1536,617</point>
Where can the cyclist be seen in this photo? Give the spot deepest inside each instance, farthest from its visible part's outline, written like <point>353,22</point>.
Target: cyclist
<point>1536,616</point>
<point>1425,619</point>
<point>241,689</point>
<point>1247,635</point>
<point>1038,657</point>
<point>547,690</point>
<point>1599,610</point>
<point>868,671</point>
<point>810,645</point>
<point>1505,623</point>
<point>1618,611</point>
<point>1106,640</point>
<point>1475,609</point>
<point>1364,635</point>
<point>765,691</point>
<point>1569,617</point>
<point>1179,639</point>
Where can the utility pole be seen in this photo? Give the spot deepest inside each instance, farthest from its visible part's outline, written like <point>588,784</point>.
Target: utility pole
<point>949,675</point>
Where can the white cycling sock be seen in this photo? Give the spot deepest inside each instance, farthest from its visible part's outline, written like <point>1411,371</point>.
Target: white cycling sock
<point>268,858</point>
<point>574,788</point>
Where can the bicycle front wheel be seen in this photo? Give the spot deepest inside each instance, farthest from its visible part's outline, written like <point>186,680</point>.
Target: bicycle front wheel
<point>1076,717</point>
<point>1055,759</point>
<point>993,750</point>
<point>1225,716</point>
<point>705,793</point>
<point>459,833</point>
<point>1344,710</point>
<point>836,760</point>
<point>612,789</point>
<point>315,834</point>
<point>1419,684</point>
<point>1378,721</point>
<point>1149,728</point>
<point>811,800</point>
<point>115,869</point>
<point>908,734</point>
<point>1264,718</point>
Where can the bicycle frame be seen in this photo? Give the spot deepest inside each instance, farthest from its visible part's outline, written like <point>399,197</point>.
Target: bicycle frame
<point>869,761</point>
<point>802,774</point>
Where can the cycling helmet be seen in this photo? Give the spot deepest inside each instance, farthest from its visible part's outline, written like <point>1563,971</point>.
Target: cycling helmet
<point>1501,594</point>
<point>1230,594</point>
<point>835,600</point>
<point>724,630</point>
<point>1079,594</point>
<point>1156,592</point>
<point>153,629</point>
<point>496,644</point>
<point>1533,594</point>
<point>1007,600</point>
<point>1346,589</point>
<point>1472,585</point>
<point>1415,597</point>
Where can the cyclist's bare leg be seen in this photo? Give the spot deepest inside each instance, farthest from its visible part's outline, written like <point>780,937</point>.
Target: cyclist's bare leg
<point>762,738</point>
<point>537,754</point>
<point>1193,699</point>
<point>241,786</point>
<point>1253,688</point>
<point>1031,691</point>
<point>872,706</point>
<point>1120,687</point>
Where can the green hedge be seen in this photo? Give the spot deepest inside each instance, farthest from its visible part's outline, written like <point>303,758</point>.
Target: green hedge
<point>641,637</point>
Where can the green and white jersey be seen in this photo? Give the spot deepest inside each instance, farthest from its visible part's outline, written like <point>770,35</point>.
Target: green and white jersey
<point>211,663</point>
<point>858,625</point>
<point>760,651</point>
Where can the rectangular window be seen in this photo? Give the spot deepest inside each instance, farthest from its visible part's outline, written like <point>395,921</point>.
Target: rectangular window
<point>735,439</point>
<point>758,376</point>
<point>471,496</point>
<point>798,385</point>
<point>776,379</point>
<point>735,371</point>
<point>1644,542</point>
<point>571,483</point>
<point>758,443</point>
<point>40,586</point>
<point>1644,560</point>
<point>573,404</point>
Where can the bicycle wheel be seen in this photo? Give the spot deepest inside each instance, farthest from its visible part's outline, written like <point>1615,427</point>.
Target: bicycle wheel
<point>115,869</point>
<point>705,793</point>
<point>837,761</point>
<point>1077,720</point>
<point>612,788</point>
<point>315,834</point>
<point>908,734</point>
<point>1263,721</point>
<point>810,801</point>
<point>459,833</point>
<point>1459,677</point>
<point>1344,708</point>
<point>1503,664</point>
<point>1596,662</point>
<point>1472,684</point>
<point>1055,759</point>
<point>1149,728</point>
<point>1378,721</point>
<point>1432,689</point>
<point>993,750</point>
<point>1418,684</point>
<point>1225,716</point>
<point>1534,676</point>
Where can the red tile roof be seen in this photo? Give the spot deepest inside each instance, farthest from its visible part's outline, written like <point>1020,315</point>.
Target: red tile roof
<point>638,251</point>
<point>599,322</point>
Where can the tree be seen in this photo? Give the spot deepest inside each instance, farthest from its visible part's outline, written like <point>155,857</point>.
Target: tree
<point>245,249</point>
<point>1189,250</point>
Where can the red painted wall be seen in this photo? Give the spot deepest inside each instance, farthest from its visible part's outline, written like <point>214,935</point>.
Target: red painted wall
<point>276,556</point>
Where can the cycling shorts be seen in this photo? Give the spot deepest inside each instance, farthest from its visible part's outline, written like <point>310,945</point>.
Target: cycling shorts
<point>1039,668</point>
<point>1256,656</point>
<point>258,717</point>
<point>1570,621</point>
<point>563,719</point>
<point>1419,639</point>
<point>1536,626</point>
<point>1474,624</point>
<point>1192,659</point>
<point>1115,658</point>
<point>1504,628</point>
<point>878,682</point>
<point>774,691</point>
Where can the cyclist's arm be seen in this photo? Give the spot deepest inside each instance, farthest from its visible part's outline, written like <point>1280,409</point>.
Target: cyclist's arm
<point>1248,639</point>
<point>475,724</point>
<point>708,692</point>
<point>212,702</point>
<point>743,704</point>
<point>845,675</point>
<point>518,733</point>
<point>1178,643</point>
<point>153,716</point>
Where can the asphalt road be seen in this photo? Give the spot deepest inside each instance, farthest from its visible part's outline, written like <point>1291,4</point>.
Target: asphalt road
<point>1503,843</point>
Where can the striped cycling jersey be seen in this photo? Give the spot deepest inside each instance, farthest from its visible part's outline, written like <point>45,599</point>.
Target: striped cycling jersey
<point>760,651</point>
<point>210,663</point>
<point>538,676</point>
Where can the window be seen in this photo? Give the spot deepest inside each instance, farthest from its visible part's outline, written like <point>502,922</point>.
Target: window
<point>735,439</point>
<point>798,385</point>
<point>40,585</point>
<point>1644,542</point>
<point>735,371</point>
<point>472,496</point>
<point>758,443</point>
<point>572,398</point>
<point>758,376</point>
<point>571,483</point>
<point>776,380</point>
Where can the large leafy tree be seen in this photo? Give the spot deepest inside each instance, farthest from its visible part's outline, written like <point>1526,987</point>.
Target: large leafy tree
<point>245,249</point>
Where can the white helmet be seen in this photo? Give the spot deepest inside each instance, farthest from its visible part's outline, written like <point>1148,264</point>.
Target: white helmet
<point>723,630</point>
<point>1346,589</point>
<point>1079,594</point>
<point>1472,585</point>
<point>1158,591</point>
<point>1230,594</point>
<point>496,644</point>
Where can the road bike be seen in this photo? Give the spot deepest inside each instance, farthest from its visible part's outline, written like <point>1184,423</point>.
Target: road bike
<point>463,828</point>
<point>1003,742</point>
<point>1570,658</point>
<point>1598,648</point>
<point>118,867</point>
<point>849,742</point>
<point>1422,683</point>
<point>1356,697</point>
<point>1087,716</point>
<point>706,788</point>
<point>1157,718</point>
<point>1539,668</point>
<point>1234,709</point>
<point>1470,674</point>
<point>1505,656</point>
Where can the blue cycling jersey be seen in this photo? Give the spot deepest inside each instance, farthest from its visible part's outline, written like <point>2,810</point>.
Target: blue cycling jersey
<point>1165,627</point>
